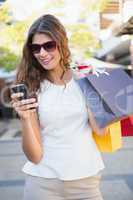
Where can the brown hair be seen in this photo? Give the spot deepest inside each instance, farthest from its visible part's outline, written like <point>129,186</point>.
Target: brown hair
<point>30,71</point>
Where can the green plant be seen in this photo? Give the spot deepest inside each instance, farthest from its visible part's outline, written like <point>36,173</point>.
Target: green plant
<point>82,39</point>
<point>5,16</point>
<point>8,59</point>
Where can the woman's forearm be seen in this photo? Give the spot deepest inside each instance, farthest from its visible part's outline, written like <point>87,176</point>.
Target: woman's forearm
<point>31,138</point>
<point>94,125</point>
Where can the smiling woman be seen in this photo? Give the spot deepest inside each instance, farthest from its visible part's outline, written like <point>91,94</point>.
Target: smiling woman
<point>50,34</point>
<point>63,159</point>
<point>45,51</point>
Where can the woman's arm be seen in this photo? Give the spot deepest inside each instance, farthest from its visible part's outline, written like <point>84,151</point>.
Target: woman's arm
<point>31,138</point>
<point>94,125</point>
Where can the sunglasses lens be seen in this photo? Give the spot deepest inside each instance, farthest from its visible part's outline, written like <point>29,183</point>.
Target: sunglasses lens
<point>35,48</point>
<point>50,46</point>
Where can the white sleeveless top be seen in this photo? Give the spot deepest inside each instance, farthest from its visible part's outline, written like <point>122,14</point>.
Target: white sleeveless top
<point>69,149</point>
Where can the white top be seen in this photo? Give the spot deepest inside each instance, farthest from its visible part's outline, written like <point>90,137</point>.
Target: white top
<point>69,150</point>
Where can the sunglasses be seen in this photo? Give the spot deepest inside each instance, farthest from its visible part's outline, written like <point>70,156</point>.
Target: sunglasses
<point>47,46</point>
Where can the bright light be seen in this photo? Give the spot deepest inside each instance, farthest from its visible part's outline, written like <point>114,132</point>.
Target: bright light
<point>22,9</point>
<point>128,10</point>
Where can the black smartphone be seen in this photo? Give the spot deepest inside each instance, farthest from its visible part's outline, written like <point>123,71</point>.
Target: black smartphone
<point>20,88</point>
<point>23,89</point>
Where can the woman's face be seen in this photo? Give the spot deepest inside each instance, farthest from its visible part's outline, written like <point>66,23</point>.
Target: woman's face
<point>48,56</point>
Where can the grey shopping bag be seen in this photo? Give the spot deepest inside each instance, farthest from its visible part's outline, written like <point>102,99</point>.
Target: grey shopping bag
<point>110,97</point>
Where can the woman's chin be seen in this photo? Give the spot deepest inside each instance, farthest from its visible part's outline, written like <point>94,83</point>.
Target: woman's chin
<point>47,67</point>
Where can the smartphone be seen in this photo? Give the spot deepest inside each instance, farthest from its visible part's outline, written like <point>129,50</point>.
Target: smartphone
<point>23,89</point>
<point>20,88</point>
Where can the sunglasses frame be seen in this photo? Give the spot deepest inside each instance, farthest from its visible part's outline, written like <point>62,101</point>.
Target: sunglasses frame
<point>36,48</point>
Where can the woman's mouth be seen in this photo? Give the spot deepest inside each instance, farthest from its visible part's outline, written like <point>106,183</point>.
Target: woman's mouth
<point>46,61</point>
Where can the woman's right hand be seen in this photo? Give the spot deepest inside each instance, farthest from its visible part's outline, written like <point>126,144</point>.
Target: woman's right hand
<point>25,107</point>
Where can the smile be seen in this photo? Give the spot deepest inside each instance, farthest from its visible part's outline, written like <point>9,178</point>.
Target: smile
<point>45,62</point>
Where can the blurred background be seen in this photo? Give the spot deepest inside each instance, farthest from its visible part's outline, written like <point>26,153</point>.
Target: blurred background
<point>99,32</point>
<point>100,36</point>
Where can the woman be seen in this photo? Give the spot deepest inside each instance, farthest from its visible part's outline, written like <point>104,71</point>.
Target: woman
<point>63,160</point>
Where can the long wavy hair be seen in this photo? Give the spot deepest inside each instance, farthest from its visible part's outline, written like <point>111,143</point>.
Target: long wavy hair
<point>29,70</point>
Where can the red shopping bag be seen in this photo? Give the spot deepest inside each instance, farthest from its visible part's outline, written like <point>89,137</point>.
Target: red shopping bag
<point>131,119</point>
<point>127,126</point>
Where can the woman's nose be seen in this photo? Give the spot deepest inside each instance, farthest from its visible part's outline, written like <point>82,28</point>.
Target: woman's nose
<point>43,52</point>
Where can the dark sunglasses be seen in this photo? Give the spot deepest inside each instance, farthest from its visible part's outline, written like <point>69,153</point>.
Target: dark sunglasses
<point>47,46</point>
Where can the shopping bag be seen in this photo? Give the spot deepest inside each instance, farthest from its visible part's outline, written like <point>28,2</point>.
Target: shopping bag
<point>110,97</point>
<point>127,126</point>
<point>111,141</point>
<point>131,119</point>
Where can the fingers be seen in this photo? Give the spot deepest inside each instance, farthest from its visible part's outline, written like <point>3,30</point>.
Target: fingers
<point>15,96</point>
<point>25,101</point>
<point>24,104</point>
<point>26,107</point>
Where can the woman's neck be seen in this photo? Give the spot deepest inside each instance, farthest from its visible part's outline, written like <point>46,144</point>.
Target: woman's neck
<point>57,75</point>
<point>60,76</point>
